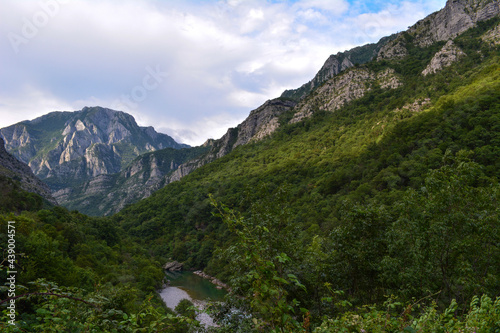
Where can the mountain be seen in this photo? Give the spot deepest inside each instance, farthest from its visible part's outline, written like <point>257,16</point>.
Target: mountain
<point>65,148</point>
<point>454,19</point>
<point>14,173</point>
<point>108,193</point>
<point>382,180</point>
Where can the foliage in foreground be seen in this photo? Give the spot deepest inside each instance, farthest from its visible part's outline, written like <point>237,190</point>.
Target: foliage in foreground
<point>441,241</point>
<point>79,274</point>
<point>483,316</point>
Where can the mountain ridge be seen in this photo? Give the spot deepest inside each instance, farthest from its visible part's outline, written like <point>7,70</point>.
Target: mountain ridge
<point>67,147</point>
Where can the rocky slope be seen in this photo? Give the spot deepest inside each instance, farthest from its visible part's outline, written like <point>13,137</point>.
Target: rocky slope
<point>261,122</point>
<point>12,168</point>
<point>337,63</point>
<point>64,148</point>
<point>108,194</point>
<point>344,88</point>
<point>449,54</point>
<point>455,18</point>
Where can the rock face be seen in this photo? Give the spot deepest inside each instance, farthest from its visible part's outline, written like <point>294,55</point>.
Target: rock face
<point>449,54</point>
<point>393,50</point>
<point>342,89</point>
<point>108,194</point>
<point>15,169</point>
<point>455,18</point>
<point>261,122</point>
<point>64,148</point>
<point>492,36</point>
<point>336,64</point>
<point>173,266</point>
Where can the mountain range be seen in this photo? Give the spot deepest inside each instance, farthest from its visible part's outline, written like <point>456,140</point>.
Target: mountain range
<point>87,157</point>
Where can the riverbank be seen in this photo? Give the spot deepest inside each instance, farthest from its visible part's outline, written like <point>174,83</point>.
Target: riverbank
<point>218,283</point>
<point>171,296</point>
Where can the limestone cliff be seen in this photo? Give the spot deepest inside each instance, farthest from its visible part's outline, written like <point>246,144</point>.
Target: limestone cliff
<point>455,18</point>
<point>336,64</point>
<point>343,88</point>
<point>107,194</point>
<point>449,54</point>
<point>261,122</point>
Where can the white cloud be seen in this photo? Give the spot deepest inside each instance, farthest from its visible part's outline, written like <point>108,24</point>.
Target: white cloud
<point>15,108</point>
<point>336,7</point>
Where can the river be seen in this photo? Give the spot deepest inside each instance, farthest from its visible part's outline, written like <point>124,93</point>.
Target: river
<point>186,285</point>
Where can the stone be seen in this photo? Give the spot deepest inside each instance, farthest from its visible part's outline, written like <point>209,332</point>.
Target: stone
<point>449,54</point>
<point>173,266</point>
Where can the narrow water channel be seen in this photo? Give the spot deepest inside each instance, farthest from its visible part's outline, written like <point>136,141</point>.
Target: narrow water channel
<point>186,285</point>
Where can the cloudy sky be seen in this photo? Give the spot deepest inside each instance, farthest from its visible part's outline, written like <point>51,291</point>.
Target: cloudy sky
<point>191,68</point>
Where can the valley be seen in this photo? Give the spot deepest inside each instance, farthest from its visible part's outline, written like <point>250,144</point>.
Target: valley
<point>366,200</point>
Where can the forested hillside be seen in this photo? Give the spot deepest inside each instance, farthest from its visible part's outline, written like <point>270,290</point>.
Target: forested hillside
<point>394,193</point>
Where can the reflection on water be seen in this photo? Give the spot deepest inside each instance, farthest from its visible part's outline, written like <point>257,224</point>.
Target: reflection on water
<point>186,285</point>
<point>197,287</point>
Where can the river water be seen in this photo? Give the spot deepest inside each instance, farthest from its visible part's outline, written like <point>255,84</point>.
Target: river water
<point>186,285</point>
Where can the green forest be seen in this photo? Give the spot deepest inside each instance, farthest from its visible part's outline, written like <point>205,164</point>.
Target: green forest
<point>374,218</point>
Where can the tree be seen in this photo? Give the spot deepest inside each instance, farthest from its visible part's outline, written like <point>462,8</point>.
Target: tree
<point>446,235</point>
<point>261,260</point>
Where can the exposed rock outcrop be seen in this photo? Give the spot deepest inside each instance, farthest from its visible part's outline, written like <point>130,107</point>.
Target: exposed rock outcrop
<point>417,106</point>
<point>15,169</point>
<point>344,88</point>
<point>173,266</point>
<point>449,54</point>
<point>492,36</point>
<point>107,194</point>
<point>393,50</point>
<point>455,18</point>
<point>261,122</point>
<point>336,64</point>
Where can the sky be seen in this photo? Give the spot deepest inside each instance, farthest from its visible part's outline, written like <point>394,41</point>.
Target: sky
<point>191,69</point>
